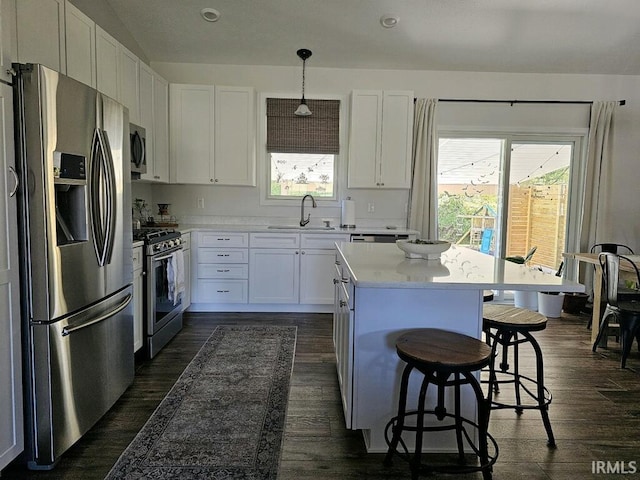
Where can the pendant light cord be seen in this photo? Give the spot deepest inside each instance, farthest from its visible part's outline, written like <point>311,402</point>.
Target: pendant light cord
<point>304,63</point>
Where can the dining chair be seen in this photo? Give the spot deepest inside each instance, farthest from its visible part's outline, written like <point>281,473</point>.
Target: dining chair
<point>617,248</point>
<point>625,308</point>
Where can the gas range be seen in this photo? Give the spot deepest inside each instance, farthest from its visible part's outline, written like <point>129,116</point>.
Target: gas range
<point>158,240</point>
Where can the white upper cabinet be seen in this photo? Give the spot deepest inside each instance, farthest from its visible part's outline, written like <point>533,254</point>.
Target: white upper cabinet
<point>380,139</point>
<point>191,120</point>
<point>106,63</point>
<point>129,82</point>
<point>212,134</point>
<point>41,33</point>
<point>154,98</point>
<point>146,110</point>
<point>160,160</point>
<point>234,155</point>
<point>80,46</point>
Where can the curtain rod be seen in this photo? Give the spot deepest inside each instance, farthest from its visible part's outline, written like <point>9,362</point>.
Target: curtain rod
<point>512,102</point>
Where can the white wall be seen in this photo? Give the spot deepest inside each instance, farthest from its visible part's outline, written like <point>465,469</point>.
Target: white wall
<point>622,217</point>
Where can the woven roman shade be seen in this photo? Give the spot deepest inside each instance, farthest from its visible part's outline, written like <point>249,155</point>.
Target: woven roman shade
<point>317,133</point>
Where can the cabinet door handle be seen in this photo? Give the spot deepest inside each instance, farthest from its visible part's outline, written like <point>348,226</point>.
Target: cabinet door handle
<point>222,291</point>
<point>223,271</point>
<point>223,255</point>
<point>16,180</point>
<point>224,239</point>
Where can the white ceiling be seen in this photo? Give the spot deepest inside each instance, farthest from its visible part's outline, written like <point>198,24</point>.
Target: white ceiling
<point>544,36</point>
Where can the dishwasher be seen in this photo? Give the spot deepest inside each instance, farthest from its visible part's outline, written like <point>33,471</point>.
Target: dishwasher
<point>378,237</point>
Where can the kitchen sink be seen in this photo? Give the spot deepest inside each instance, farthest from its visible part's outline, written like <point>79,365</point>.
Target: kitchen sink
<point>298,227</point>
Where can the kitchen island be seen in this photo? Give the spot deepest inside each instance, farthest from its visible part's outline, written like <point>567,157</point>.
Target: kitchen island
<point>380,294</point>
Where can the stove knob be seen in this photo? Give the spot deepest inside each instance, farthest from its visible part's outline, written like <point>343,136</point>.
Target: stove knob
<point>156,247</point>
<point>170,243</point>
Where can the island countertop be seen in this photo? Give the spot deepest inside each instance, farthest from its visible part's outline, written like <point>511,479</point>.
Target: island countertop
<point>380,265</point>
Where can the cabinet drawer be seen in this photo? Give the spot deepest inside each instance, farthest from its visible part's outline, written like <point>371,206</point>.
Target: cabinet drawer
<point>223,239</point>
<point>137,258</point>
<point>186,241</point>
<point>323,240</point>
<point>221,291</point>
<point>222,255</point>
<point>275,240</point>
<point>220,270</point>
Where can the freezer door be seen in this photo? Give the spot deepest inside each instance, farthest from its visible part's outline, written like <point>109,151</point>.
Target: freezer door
<point>80,366</point>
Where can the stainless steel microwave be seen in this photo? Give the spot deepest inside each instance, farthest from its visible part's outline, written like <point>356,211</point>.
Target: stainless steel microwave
<point>138,143</point>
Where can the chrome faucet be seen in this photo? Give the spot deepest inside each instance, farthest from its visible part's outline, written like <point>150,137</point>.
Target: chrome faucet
<point>303,222</point>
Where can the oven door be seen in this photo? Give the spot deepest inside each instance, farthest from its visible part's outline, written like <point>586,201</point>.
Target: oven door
<point>162,307</point>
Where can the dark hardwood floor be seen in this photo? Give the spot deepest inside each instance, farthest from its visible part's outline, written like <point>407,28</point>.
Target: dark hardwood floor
<point>595,411</point>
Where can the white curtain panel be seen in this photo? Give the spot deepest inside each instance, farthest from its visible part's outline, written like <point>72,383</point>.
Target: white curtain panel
<point>598,176</point>
<point>599,164</point>
<point>424,186</point>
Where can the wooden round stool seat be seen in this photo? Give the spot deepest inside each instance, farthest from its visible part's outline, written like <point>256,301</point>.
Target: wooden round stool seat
<point>445,350</point>
<point>513,318</point>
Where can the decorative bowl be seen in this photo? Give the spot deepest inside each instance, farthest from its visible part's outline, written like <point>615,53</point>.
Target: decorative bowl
<point>420,248</point>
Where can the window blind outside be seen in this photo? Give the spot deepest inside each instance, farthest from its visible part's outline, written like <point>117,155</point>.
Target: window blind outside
<point>317,133</point>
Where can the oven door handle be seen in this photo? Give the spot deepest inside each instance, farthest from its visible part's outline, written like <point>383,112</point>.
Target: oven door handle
<point>164,257</point>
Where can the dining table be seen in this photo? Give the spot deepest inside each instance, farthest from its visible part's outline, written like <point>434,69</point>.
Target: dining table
<point>592,258</point>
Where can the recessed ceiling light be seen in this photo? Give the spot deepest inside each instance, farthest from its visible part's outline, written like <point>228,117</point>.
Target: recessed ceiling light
<point>210,14</point>
<point>389,21</point>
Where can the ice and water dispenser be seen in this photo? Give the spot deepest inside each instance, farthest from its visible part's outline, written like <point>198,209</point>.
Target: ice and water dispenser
<point>70,180</point>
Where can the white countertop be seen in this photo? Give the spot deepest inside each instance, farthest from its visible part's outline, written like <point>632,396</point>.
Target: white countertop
<point>308,229</point>
<point>380,265</point>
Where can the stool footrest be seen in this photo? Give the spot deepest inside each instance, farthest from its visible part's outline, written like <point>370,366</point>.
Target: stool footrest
<point>523,406</point>
<point>463,467</point>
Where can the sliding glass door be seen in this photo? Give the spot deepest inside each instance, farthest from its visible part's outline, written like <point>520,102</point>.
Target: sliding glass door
<point>506,195</point>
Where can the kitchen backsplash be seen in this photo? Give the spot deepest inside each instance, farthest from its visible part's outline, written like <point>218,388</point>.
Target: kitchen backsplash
<point>206,205</point>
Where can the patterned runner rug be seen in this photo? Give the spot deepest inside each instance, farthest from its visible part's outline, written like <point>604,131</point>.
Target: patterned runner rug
<point>224,417</point>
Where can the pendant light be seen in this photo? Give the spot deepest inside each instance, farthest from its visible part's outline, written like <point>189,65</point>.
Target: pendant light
<point>303,110</point>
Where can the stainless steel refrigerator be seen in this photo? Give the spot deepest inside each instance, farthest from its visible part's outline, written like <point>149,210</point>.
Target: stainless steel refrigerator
<point>76,258</point>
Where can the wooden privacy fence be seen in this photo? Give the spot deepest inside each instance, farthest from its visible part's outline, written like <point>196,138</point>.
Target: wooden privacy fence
<point>537,217</point>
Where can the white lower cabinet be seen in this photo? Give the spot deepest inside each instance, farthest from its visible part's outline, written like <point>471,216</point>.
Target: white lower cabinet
<point>266,271</point>
<point>292,268</point>
<point>11,406</point>
<point>220,268</point>
<point>343,323</point>
<point>274,275</point>
<point>138,299</point>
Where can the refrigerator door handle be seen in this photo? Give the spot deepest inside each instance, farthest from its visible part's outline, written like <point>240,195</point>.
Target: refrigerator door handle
<point>110,183</point>
<point>103,199</point>
<point>96,194</point>
<point>69,329</point>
